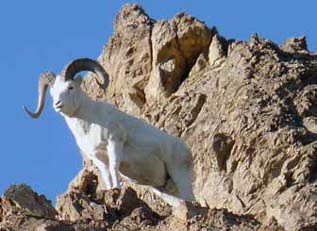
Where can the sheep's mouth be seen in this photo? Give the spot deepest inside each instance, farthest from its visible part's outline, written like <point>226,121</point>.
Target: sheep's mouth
<point>59,107</point>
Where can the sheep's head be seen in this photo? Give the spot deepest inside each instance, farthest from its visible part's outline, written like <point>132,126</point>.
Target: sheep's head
<point>66,95</point>
<point>65,89</point>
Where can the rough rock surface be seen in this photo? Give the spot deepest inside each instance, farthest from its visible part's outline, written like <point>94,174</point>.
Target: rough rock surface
<point>84,208</point>
<point>247,110</point>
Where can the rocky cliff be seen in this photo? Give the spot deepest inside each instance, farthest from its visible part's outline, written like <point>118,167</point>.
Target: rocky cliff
<point>247,110</point>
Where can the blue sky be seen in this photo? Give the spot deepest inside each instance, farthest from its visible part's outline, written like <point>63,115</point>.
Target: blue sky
<point>39,35</point>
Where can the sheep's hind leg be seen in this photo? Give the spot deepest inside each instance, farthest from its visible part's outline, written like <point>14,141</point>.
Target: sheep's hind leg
<point>182,177</point>
<point>169,199</point>
<point>179,206</point>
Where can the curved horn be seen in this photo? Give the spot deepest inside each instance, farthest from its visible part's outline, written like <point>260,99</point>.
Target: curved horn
<point>46,79</point>
<point>86,64</point>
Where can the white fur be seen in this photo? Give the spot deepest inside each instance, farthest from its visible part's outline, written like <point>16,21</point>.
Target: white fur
<point>132,147</point>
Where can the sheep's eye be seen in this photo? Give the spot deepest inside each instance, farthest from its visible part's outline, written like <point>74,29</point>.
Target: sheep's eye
<point>70,88</point>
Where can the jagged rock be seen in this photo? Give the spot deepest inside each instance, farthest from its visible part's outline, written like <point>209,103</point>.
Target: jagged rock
<point>74,206</point>
<point>126,211</point>
<point>310,123</point>
<point>176,44</point>
<point>217,50</point>
<point>85,202</point>
<point>20,198</point>
<point>246,110</point>
<point>295,45</point>
<point>81,202</point>
<point>23,209</point>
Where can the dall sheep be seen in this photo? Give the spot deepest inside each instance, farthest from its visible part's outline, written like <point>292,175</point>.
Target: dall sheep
<point>115,141</point>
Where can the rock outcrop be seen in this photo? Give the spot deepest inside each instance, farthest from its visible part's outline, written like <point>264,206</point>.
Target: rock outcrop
<point>83,210</point>
<point>247,110</point>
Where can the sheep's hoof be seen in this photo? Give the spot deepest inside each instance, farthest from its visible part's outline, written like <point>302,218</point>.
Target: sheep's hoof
<point>188,210</point>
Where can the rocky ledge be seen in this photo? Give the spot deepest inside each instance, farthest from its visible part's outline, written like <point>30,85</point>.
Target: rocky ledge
<point>85,209</point>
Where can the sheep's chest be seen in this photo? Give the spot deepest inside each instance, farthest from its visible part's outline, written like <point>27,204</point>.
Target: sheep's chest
<point>89,137</point>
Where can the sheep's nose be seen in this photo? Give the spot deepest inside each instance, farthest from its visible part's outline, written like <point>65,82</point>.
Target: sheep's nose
<point>58,104</point>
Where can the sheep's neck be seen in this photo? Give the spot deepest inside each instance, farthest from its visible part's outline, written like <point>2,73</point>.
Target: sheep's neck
<point>81,124</point>
<point>81,120</point>
<point>86,109</point>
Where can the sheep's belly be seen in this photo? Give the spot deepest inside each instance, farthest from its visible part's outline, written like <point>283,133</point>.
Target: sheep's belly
<point>148,170</point>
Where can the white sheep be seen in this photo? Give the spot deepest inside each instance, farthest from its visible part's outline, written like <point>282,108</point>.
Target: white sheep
<point>115,141</point>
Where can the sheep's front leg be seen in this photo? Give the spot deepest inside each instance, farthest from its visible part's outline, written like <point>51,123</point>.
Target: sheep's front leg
<point>104,171</point>
<point>115,152</point>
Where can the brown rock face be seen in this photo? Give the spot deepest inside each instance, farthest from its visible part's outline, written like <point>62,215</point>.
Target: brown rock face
<point>176,45</point>
<point>247,110</point>
<point>18,197</point>
<point>23,209</point>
